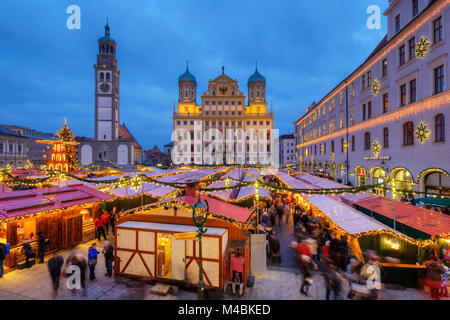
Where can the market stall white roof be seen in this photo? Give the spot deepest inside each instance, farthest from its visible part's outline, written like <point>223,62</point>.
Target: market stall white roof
<point>349,219</point>
<point>251,175</point>
<point>226,194</point>
<point>292,182</point>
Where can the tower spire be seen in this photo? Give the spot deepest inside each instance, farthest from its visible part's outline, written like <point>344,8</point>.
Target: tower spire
<point>107,32</point>
<point>223,70</point>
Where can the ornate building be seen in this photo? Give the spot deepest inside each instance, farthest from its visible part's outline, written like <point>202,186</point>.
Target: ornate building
<point>387,119</point>
<point>36,153</point>
<point>206,128</point>
<point>12,148</point>
<point>108,144</point>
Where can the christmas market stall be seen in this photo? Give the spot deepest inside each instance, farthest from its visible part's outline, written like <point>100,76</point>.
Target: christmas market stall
<point>231,181</point>
<point>249,192</point>
<point>64,215</point>
<point>159,242</point>
<point>399,253</point>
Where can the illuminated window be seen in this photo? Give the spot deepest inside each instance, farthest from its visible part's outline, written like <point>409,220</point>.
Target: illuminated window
<point>352,117</point>
<point>367,141</point>
<point>437,28</point>
<point>408,133</point>
<point>440,127</point>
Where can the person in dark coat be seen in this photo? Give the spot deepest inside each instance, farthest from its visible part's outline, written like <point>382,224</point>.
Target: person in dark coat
<point>28,252</point>
<point>108,252</point>
<point>54,265</point>
<point>41,247</point>
<point>334,249</point>
<point>274,244</point>
<point>331,279</point>
<point>2,258</point>
<point>343,253</point>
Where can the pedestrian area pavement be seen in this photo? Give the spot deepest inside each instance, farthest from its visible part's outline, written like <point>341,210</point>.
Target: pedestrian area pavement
<point>277,284</point>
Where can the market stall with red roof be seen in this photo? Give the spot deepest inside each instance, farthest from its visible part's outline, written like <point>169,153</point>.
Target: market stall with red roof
<point>63,214</point>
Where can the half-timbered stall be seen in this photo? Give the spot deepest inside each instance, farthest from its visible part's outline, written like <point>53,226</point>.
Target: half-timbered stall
<point>63,214</point>
<point>158,242</point>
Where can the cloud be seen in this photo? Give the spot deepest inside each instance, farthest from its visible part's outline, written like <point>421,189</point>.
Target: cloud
<point>304,49</point>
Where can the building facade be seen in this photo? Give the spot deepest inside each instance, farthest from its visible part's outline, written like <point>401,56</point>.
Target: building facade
<point>388,117</point>
<point>37,153</point>
<point>108,144</point>
<point>223,125</point>
<point>287,149</point>
<point>12,148</point>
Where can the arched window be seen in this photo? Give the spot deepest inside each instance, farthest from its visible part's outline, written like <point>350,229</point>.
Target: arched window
<point>385,138</point>
<point>102,76</point>
<point>367,140</point>
<point>408,133</point>
<point>107,76</point>
<point>439,123</point>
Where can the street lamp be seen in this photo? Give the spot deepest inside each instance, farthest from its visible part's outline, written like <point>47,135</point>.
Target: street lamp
<point>200,213</point>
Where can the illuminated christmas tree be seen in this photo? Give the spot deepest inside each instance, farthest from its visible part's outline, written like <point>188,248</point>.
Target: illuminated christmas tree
<point>71,146</point>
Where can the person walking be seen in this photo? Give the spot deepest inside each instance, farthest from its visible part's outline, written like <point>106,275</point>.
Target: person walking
<point>343,253</point>
<point>98,223</point>
<point>279,208</point>
<point>54,265</point>
<point>2,258</point>
<point>41,247</point>
<point>287,211</point>
<point>108,252</point>
<point>331,279</point>
<point>304,256</point>
<point>92,261</point>
<point>28,252</point>
<point>106,217</point>
<point>433,280</point>
<point>112,220</point>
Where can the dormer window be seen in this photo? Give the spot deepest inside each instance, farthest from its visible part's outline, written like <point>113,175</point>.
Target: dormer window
<point>397,23</point>
<point>415,7</point>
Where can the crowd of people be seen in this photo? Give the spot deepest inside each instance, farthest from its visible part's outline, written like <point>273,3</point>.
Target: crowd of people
<point>318,249</point>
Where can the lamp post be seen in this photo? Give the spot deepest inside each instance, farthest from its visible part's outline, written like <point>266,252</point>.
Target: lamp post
<point>200,212</point>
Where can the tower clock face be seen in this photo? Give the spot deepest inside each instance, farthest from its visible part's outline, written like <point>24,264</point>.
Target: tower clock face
<point>104,87</point>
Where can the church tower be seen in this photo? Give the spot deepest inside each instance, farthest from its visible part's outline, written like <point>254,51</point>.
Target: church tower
<point>256,87</point>
<point>106,89</point>
<point>187,86</point>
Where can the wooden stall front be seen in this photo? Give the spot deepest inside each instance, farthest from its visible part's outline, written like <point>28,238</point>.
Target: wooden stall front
<point>146,247</point>
<point>64,215</point>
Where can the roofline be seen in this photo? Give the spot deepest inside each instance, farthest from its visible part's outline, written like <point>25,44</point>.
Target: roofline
<point>370,57</point>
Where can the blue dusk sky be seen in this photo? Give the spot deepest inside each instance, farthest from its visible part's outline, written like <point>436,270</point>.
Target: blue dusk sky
<point>304,49</point>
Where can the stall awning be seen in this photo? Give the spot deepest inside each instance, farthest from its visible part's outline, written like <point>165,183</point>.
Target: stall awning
<point>222,208</point>
<point>347,218</point>
<point>168,227</point>
<point>417,222</point>
<point>438,201</point>
<point>24,202</point>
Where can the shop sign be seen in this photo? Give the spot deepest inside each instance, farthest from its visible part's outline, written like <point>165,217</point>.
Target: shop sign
<point>378,158</point>
<point>185,236</point>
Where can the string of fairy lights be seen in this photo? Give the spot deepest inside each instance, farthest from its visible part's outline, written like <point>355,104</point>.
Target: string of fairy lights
<point>136,182</point>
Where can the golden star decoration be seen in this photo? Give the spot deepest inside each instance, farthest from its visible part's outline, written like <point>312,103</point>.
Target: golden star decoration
<point>376,148</point>
<point>422,132</point>
<point>375,87</point>
<point>422,47</point>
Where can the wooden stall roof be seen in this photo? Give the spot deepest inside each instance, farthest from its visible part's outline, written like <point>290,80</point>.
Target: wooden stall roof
<point>424,220</point>
<point>220,207</point>
<point>348,218</point>
<point>179,228</point>
<point>24,202</point>
<point>292,182</point>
